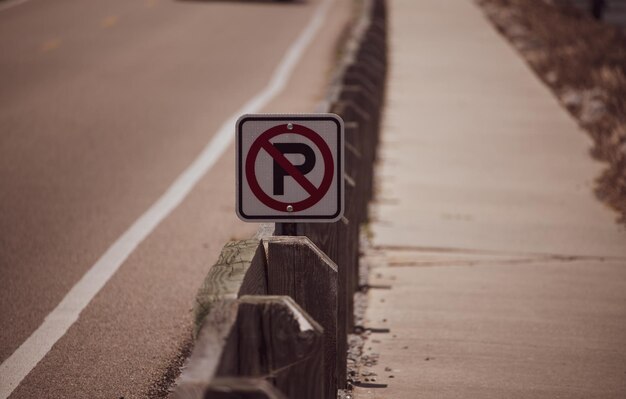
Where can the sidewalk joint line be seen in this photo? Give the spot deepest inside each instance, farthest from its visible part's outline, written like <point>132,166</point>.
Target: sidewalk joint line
<point>467,251</point>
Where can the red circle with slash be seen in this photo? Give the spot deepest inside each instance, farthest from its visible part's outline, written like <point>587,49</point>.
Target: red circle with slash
<point>315,193</point>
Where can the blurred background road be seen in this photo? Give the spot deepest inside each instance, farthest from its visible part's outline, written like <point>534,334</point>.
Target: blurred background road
<point>102,105</point>
<point>613,11</point>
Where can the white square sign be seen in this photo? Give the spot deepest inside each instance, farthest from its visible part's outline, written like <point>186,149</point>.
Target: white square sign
<point>290,168</point>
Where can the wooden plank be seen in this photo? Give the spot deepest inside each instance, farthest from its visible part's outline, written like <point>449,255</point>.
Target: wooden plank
<point>297,268</point>
<point>349,259</point>
<point>367,136</point>
<point>372,71</point>
<point>281,342</point>
<point>255,278</point>
<point>266,337</point>
<point>240,268</point>
<point>358,129</point>
<point>356,170</point>
<point>357,78</point>
<point>357,95</point>
<point>208,350</point>
<point>331,239</point>
<point>229,274</point>
<point>323,235</point>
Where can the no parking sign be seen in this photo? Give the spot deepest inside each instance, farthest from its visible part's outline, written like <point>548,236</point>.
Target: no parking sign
<point>290,168</point>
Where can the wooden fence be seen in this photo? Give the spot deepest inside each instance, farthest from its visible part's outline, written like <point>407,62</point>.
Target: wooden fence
<point>274,312</point>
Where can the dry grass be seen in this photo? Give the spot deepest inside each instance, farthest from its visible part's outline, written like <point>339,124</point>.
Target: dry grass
<point>584,62</point>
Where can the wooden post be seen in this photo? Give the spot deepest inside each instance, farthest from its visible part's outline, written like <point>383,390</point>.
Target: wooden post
<point>209,349</point>
<point>365,143</point>
<point>332,240</point>
<point>348,258</point>
<point>297,268</point>
<point>286,229</point>
<point>291,343</point>
<point>266,337</point>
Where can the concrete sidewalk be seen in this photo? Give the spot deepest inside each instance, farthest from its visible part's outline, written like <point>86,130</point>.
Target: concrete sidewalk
<point>508,277</point>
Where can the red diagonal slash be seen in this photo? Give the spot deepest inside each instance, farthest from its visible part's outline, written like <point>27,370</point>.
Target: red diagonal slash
<point>289,168</point>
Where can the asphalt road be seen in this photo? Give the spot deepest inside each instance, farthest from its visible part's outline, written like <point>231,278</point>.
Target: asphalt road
<point>102,105</point>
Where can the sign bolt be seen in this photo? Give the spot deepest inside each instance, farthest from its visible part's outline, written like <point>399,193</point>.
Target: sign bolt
<point>290,126</point>
<point>289,208</point>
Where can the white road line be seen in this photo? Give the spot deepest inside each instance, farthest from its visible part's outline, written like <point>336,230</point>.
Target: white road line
<point>14,369</point>
<point>11,4</point>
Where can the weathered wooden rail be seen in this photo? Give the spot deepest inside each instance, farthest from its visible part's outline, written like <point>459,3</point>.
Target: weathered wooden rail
<point>274,312</point>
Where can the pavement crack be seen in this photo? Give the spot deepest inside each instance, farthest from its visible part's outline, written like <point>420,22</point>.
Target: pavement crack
<point>473,262</point>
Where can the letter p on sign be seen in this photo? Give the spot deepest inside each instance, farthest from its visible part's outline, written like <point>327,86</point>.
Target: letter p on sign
<point>290,168</point>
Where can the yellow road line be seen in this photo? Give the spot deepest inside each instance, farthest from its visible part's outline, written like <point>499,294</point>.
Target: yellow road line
<point>109,21</point>
<point>50,44</point>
